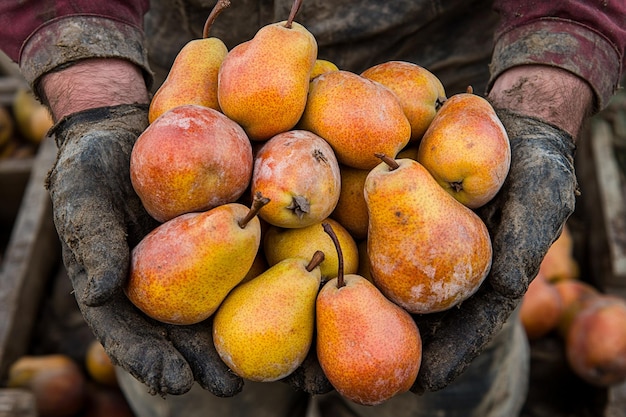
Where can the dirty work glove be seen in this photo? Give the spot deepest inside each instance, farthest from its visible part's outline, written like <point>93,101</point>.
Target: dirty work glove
<point>524,218</point>
<point>309,377</point>
<point>99,217</point>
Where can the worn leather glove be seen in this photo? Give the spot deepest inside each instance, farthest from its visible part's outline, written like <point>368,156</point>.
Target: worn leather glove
<point>524,218</point>
<point>99,217</point>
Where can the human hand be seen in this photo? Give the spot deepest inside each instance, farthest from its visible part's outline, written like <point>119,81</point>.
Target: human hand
<point>99,217</point>
<point>524,218</point>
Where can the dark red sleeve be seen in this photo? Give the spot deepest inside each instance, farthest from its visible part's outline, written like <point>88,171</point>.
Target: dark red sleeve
<point>586,37</point>
<point>45,34</point>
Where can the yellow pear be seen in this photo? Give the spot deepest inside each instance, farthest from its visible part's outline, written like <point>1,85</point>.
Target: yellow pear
<point>321,66</point>
<point>369,348</point>
<point>427,251</point>
<point>264,328</point>
<point>466,149</point>
<point>263,83</point>
<point>192,79</point>
<point>420,92</point>
<point>298,171</point>
<point>351,210</point>
<point>280,243</point>
<point>357,116</point>
<point>32,119</point>
<point>181,271</point>
<point>7,126</point>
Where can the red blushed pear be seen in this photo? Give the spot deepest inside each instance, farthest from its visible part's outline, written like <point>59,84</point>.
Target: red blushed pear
<point>427,251</point>
<point>190,159</point>
<point>541,308</point>
<point>420,92</point>
<point>193,76</point>
<point>466,149</point>
<point>263,83</point>
<point>181,271</point>
<point>369,348</point>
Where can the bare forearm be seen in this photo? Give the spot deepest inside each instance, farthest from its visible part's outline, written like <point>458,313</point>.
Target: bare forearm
<point>545,92</point>
<point>93,83</point>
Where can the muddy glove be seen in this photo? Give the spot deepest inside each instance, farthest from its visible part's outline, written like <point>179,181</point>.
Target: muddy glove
<point>99,217</point>
<point>309,377</point>
<point>524,218</point>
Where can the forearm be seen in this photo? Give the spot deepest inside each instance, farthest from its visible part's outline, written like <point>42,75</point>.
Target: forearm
<point>548,93</point>
<point>92,83</point>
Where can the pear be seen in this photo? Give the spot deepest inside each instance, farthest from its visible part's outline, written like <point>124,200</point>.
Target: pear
<point>321,66</point>
<point>32,119</point>
<point>427,251</point>
<point>369,348</point>
<point>190,159</point>
<point>351,210</point>
<point>264,328</point>
<point>420,92</point>
<point>263,83</point>
<point>280,243</point>
<point>357,116</point>
<point>299,172</point>
<point>181,271</point>
<point>192,79</point>
<point>467,149</point>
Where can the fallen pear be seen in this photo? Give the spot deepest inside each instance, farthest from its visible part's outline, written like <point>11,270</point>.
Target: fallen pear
<point>369,348</point>
<point>264,328</point>
<point>427,251</point>
<point>467,150</point>
<point>181,271</point>
<point>192,78</point>
<point>263,83</point>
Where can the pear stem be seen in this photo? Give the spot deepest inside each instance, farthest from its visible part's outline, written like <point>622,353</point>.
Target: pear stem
<point>217,9</point>
<point>292,14</point>
<point>389,161</point>
<point>316,259</point>
<point>329,230</point>
<point>257,202</point>
<point>469,90</point>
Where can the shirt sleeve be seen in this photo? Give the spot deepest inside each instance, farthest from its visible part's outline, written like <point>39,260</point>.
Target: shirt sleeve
<point>42,36</point>
<point>585,37</point>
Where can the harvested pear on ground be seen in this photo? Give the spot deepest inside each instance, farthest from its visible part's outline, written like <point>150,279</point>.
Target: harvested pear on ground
<point>351,210</point>
<point>181,271</point>
<point>280,243</point>
<point>298,171</point>
<point>264,328</point>
<point>369,348</point>
<point>357,116</point>
<point>467,149</point>
<point>190,159</point>
<point>192,78</point>
<point>420,92</point>
<point>263,83</point>
<point>427,251</point>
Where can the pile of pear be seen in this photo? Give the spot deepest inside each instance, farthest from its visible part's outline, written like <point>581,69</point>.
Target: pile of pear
<point>305,207</point>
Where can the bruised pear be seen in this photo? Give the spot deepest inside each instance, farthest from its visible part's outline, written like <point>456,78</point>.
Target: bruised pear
<point>427,251</point>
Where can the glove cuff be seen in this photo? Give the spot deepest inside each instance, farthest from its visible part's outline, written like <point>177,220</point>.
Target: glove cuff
<point>131,117</point>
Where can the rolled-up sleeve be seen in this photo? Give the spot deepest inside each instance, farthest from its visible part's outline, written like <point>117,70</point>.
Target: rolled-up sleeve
<point>584,37</point>
<point>42,36</point>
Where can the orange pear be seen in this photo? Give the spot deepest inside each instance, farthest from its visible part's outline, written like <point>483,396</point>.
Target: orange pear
<point>369,348</point>
<point>181,271</point>
<point>190,159</point>
<point>298,171</point>
<point>351,210</point>
<point>466,149</point>
<point>357,116</point>
<point>192,79</point>
<point>264,328</point>
<point>427,251</point>
<point>420,92</point>
<point>263,83</point>
<point>321,66</point>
